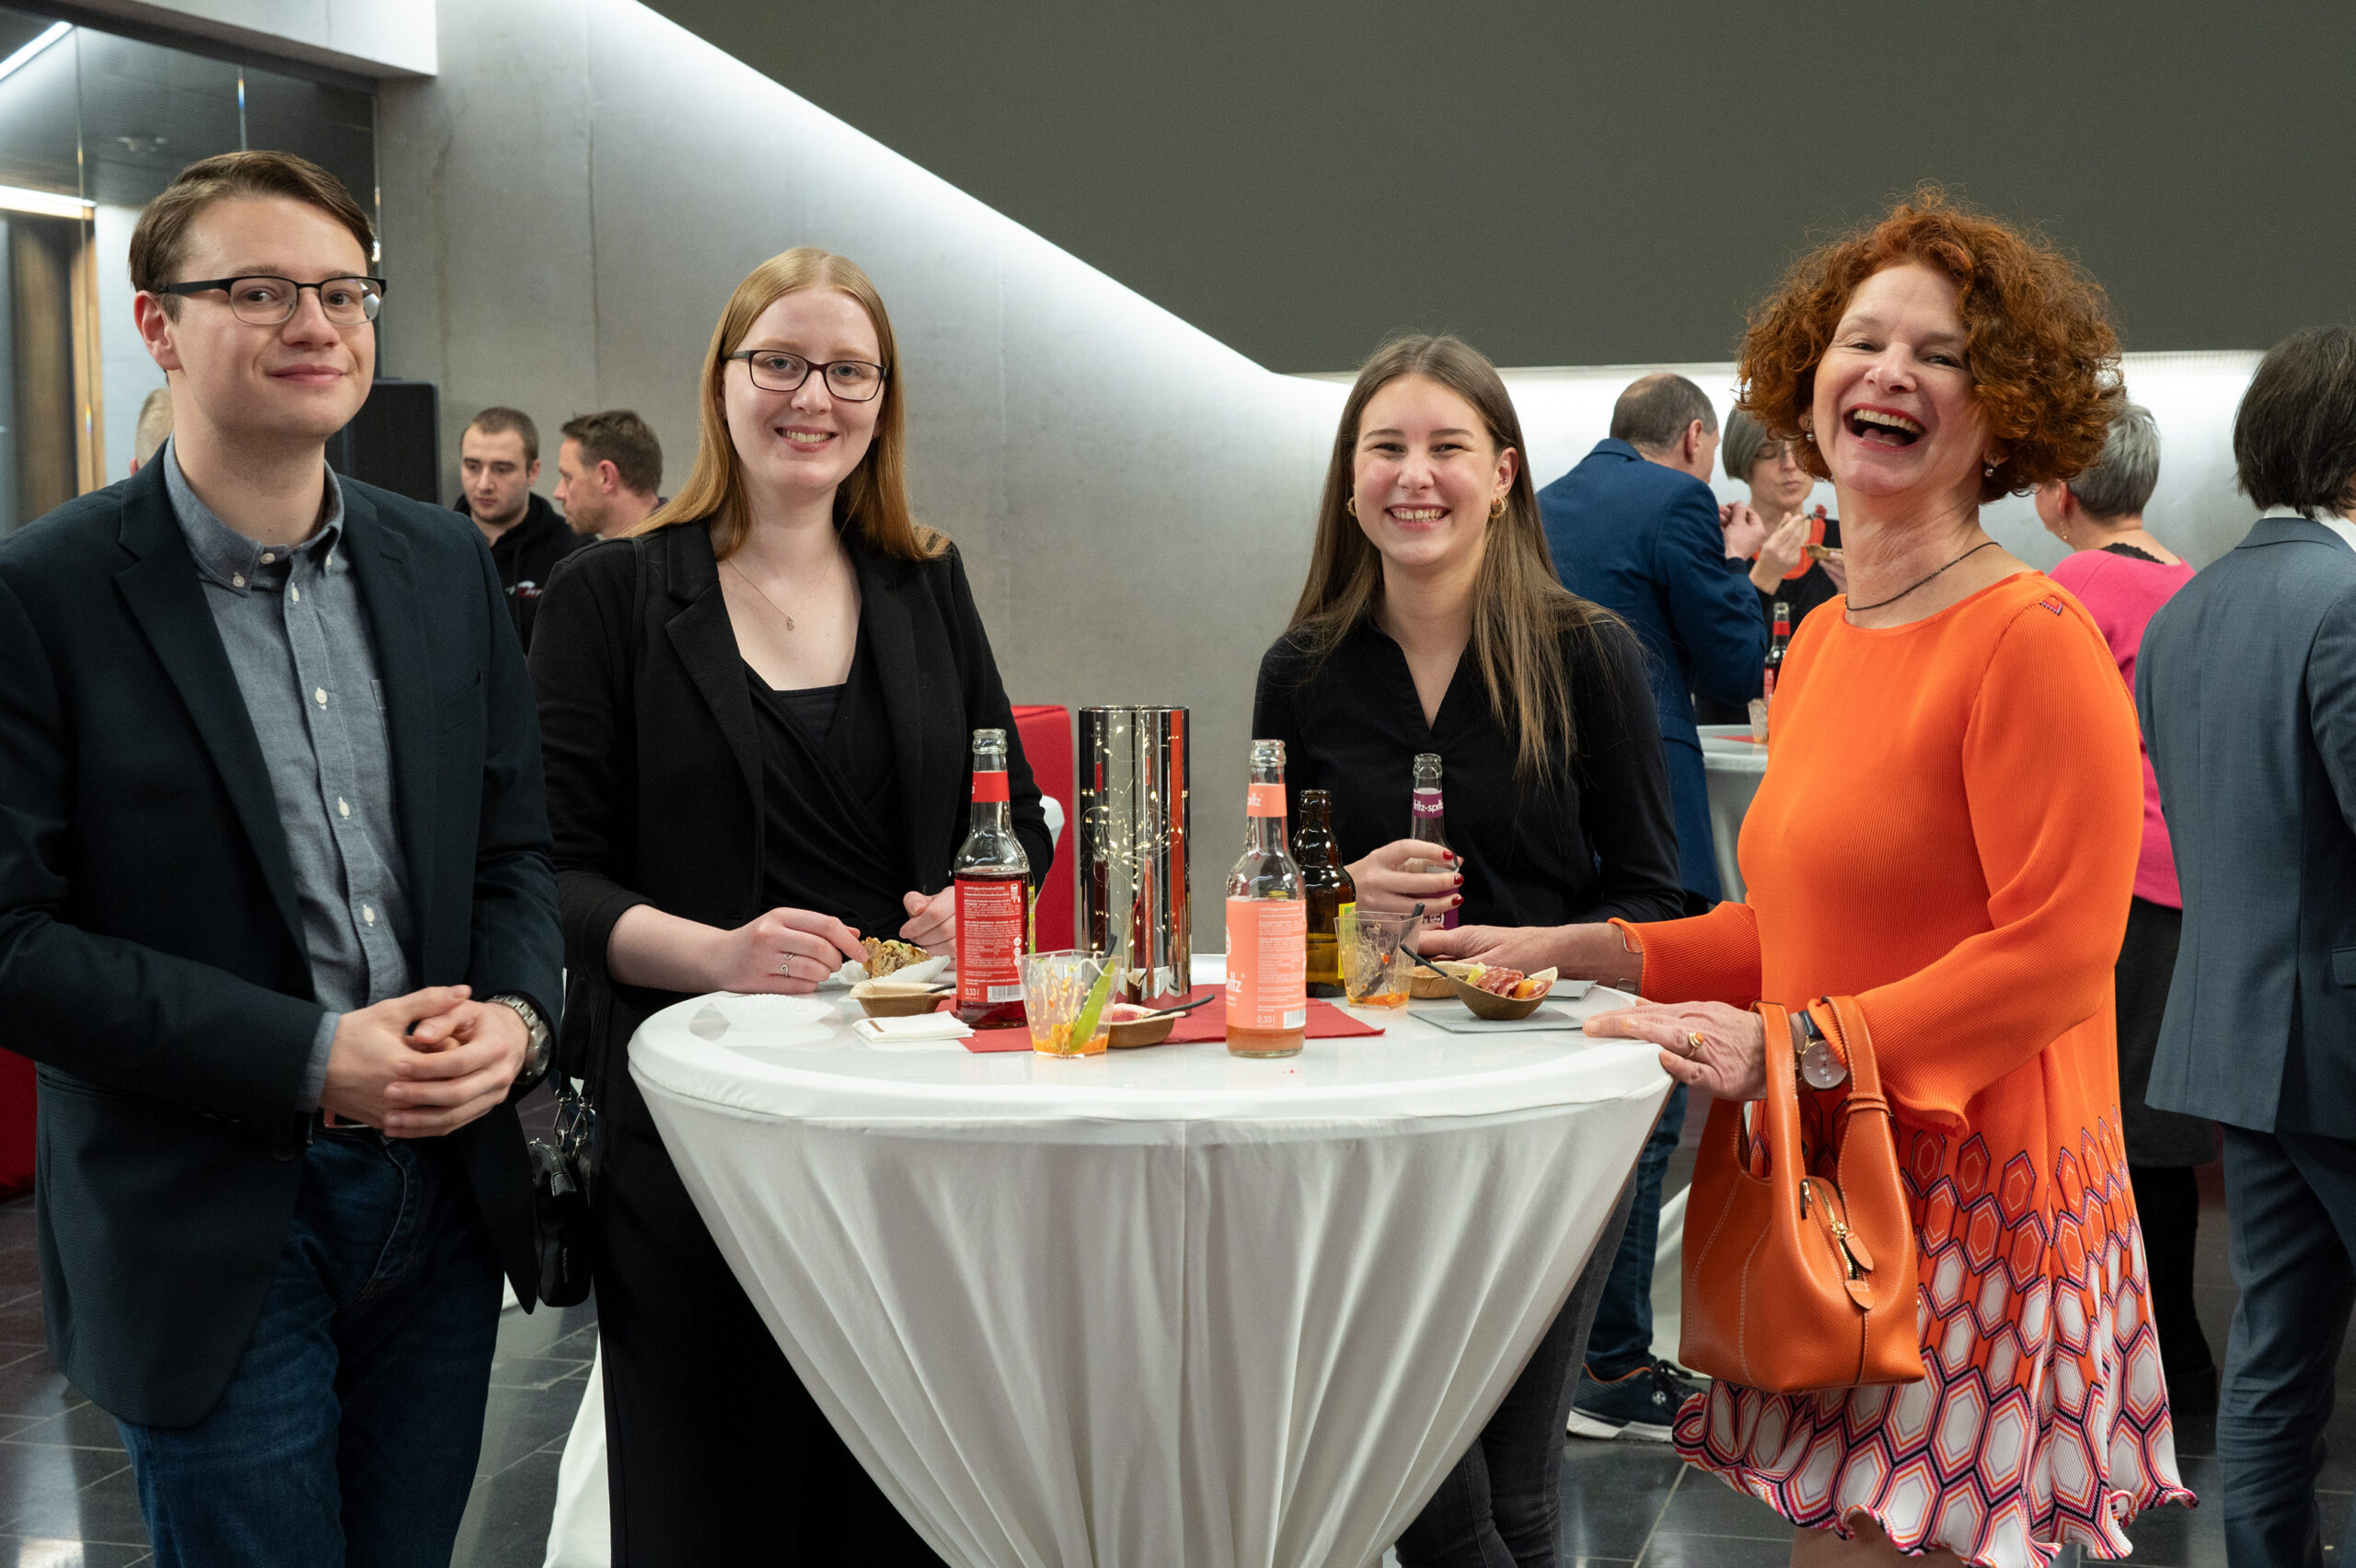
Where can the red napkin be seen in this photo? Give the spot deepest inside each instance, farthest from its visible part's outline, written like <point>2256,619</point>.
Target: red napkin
<point>1208,1022</point>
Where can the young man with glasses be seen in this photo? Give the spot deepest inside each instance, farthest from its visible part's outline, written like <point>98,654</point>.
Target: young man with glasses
<point>277,920</point>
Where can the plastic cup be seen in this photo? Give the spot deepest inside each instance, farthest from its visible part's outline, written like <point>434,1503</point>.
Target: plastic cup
<point>1377,957</point>
<point>1055,988</point>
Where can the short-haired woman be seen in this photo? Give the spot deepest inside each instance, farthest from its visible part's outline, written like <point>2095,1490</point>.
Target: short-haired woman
<point>1432,621</point>
<point>756,714</point>
<point>1946,833</point>
<point>2123,575</point>
<point>1780,486</point>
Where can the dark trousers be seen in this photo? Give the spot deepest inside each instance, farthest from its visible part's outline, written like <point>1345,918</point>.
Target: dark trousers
<point>1501,1505</point>
<point>349,1434</point>
<point>1623,1339</point>
<point>715,1453</point>
<point>2292,1201</point>
<point>2167,1206</point>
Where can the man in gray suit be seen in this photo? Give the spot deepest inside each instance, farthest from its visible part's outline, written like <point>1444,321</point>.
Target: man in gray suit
<point>2247,683</point>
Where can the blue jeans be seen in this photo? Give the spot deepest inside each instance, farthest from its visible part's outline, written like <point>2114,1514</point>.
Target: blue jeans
<point>2291,1202</point>
<point>1622,1338</point>
<point>347,1437</point>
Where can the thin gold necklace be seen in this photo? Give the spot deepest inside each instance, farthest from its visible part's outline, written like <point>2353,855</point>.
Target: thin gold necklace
<point>747,577</point>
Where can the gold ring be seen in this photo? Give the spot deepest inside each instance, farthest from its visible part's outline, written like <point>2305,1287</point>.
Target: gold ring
<point>1693,1042</point>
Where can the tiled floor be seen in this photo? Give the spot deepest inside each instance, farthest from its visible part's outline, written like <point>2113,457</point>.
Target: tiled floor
<point>67,1500</point>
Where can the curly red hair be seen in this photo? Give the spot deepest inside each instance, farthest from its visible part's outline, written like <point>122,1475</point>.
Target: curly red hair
<point>2042,354</point>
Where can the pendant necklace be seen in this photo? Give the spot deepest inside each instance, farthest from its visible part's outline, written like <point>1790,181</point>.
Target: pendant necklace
<point>746,579</point>
<point>1854,609</point>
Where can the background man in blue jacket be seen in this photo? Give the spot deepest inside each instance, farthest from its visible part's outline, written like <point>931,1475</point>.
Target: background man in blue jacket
<point>1635,529</point>
<point>2247,685</point>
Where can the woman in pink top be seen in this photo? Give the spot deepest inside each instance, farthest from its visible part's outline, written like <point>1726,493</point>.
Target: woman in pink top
<point>2123,574</point>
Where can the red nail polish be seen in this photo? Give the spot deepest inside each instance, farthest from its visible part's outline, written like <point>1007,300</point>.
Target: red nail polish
<point>1459,880</point>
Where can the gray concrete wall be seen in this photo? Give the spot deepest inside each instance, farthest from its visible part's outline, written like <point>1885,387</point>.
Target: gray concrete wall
<point>568,205</point>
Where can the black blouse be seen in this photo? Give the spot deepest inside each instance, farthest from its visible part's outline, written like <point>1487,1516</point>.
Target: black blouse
<point>830,790</point>
<point>1809,591</point>
<point>1595,839</point>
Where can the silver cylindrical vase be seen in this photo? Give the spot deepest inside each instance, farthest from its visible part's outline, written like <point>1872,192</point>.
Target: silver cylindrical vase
<point>1133,766</point>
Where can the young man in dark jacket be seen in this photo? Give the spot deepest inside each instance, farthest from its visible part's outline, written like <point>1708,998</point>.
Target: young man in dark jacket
<point>499,461</point>
<point>277,920</point>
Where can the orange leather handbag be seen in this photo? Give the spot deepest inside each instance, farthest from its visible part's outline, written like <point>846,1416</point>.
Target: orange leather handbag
<point>1795,1282</point>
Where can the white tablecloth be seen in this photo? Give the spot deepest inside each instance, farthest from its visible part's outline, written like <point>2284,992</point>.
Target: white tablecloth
<point>1734,763</point>
<point>1163,1305</point>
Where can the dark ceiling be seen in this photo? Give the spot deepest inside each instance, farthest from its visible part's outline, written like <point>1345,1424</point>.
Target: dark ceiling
<point>1588,184</point>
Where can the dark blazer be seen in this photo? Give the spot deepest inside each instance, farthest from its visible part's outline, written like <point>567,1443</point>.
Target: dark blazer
<point>654,754</point>
<point>2246,686</point>
<point>1642,539</point>
<point>151,954</point>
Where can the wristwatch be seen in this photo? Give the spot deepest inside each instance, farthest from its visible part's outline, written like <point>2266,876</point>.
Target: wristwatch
<point>1819,1065</point>
<point>536,1054</point>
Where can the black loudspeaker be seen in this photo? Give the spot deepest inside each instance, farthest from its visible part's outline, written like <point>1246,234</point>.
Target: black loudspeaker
<point>395,441</point>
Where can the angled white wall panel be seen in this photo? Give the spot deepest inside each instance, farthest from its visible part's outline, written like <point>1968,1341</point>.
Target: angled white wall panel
<point>374,38</point>
<point>2196,510</point>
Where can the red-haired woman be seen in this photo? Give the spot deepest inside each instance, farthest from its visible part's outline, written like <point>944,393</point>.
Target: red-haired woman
<point>756,715</point>
<point>1946,831</point>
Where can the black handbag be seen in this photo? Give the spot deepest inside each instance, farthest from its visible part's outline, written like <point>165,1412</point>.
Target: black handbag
<point>564,1181</point>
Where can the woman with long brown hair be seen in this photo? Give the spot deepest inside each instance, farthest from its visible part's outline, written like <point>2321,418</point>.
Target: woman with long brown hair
<point>756,714</point>
<point>1432,622</point>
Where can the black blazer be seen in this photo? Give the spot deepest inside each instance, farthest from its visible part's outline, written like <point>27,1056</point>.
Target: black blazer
<point>653,757</point>
<point>151,954</point>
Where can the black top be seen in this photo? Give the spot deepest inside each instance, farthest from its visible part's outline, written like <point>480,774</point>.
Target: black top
<point>658,784</point>
<point>2131,553</point>
<point>831,837</point>
<point>152,961</point>
<point>1595,840</point>
<point>526,556</point>
<point>1810,590</point>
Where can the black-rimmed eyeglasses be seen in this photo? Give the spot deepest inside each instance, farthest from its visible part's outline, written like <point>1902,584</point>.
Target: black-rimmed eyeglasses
<point>266,302</point>
<point>774,370</point>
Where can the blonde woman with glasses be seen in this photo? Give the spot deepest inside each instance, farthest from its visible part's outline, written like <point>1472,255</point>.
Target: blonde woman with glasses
<point>756,711</point>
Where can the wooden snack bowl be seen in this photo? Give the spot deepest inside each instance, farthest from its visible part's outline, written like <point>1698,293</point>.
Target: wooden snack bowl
<point>890,999</point>
<point>1429,985</point>
<point>1142,1031</point>
<point>1488,1004</point>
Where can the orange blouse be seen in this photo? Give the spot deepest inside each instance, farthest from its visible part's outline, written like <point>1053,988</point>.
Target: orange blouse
<point>1947,831</point>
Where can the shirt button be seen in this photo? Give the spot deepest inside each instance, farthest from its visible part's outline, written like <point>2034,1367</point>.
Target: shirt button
<point>319,696</point>
<point>343,806</point>
<point>268,556</point>
<point>295,593</point>
<point>237,580</point>
<point>368,913</point>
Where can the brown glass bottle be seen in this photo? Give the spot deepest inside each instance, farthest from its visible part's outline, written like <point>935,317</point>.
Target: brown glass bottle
<point>1332,896</point>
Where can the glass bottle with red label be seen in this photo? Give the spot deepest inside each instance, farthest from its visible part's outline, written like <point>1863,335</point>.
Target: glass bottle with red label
<point>1426,826</point>
<point>1267,923</point>
<point>1777,642</point>
<point>992,877</point>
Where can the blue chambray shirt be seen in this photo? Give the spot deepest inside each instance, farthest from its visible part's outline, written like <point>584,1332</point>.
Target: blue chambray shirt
<point>297,637</point>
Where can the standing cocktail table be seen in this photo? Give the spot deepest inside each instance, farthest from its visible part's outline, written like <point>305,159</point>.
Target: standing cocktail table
<point>1161,1306</point>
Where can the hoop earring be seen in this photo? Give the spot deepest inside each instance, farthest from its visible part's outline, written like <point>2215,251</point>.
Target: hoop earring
<point>1350,505</point>
<point>1496,508</point>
